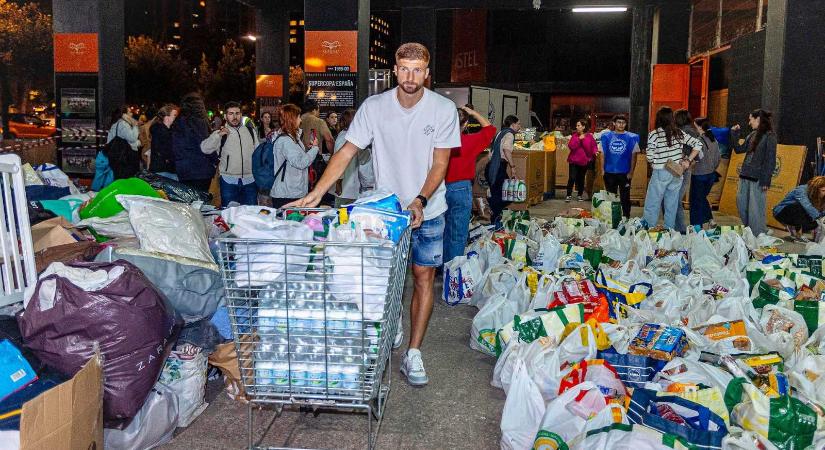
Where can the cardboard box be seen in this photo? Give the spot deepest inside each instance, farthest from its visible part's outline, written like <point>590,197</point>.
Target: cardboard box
<point>638,184</point>
<point>51,233</point>
<point>68,416</point>
<point>789,162</point>
<point>550,173</point>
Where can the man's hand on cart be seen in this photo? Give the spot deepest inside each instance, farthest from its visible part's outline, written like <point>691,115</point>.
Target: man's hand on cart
<point>417,210</point>
<point>310,201</point>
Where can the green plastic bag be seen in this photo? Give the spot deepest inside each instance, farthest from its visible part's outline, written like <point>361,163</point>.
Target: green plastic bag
<point>105,204</point>
<point>64,208</point>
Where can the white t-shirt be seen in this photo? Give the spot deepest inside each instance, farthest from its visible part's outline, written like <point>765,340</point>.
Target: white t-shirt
<point>403,141</point>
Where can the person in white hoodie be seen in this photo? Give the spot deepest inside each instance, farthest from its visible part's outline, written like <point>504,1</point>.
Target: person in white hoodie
<point>292,159</point>
<point>234,142</point>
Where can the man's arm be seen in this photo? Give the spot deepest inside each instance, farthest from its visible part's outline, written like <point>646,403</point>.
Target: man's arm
<point>212,143</point>
<point>441,159</point>
<point>335,169</point>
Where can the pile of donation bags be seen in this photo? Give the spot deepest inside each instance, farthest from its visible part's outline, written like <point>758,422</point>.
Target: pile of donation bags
<point>130,274</point>
<point>611,338</point>
<point>135,276</point>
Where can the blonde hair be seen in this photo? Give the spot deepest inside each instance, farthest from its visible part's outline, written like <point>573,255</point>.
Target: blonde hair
<point>413,51</point>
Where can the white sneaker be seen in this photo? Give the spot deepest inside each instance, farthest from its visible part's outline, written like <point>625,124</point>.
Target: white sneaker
<point>412,367</point>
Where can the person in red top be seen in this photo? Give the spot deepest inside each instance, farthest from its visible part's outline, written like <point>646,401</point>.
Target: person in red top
<point>582,151</point>
<point>459,179</point>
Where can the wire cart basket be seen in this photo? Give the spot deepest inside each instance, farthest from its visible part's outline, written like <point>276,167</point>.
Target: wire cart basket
<point>314,321</point>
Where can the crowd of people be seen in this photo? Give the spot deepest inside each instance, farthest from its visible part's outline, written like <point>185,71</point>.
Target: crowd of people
<point>415,143</point>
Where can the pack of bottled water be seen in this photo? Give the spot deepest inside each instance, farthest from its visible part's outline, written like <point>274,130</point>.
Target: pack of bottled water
<point>311,346</point>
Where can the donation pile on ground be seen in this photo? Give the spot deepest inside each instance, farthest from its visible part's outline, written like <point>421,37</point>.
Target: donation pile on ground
<point>633,338</point>
<point>133,274</point>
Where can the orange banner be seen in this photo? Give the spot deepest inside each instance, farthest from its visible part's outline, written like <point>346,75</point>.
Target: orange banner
<point>327,49</point>
<point>269,86</point>
<point>75,52</point>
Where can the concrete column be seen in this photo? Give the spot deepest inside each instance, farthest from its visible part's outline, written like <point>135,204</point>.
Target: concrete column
<point>794,87</point>
<point>671,40</point>
<point>272,44</point>
<point>106,18</point>
<point>418,24</point>
<point>640,57</point>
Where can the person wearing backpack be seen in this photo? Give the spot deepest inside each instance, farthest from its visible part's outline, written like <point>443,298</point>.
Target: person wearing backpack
<point>234,143</point>
<point>119,158</point>
<point>291,159</point>
<point>195,168</point>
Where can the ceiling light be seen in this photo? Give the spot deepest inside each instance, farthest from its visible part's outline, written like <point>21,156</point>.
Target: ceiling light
<point>599,9</point>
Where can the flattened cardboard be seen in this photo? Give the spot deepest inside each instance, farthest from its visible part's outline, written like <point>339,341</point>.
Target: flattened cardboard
<point>51,233</point>
<point>68,416</point>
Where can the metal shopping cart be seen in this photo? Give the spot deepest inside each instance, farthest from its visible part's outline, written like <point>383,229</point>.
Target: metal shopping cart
<point>314,321</point>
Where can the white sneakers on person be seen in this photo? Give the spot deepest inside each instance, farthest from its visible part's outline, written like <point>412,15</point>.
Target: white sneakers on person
<point>412,367</point>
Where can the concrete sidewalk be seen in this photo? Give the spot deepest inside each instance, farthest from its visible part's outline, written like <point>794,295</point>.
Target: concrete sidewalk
<point>459,409</point>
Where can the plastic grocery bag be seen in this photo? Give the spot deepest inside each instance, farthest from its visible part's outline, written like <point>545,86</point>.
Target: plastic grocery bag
<point>537,324</point>
<point>634,370</point>
<point>185,373</point>
<point>628,437</point>
<point>499,279</point>
<point>259,264</point>
<point>53,176</point>
<point>615,246</point>
<point>462,277</point>
<point>596,371</point>
<point>785,420</point>
<point>694,423</point>
<point>114,305</point>
<point>168,228</point>
<point>488,251</point>
<point>566,416</point>
<point>153,426</point>
<point>549,365</point>
<point>523,411</point>
<point>497,311</point>
<point>607,208</point>
<point>547,259</point>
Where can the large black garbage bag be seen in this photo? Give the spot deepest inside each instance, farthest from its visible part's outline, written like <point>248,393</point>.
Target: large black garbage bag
<point>175,190</point>
<point>127,317</point>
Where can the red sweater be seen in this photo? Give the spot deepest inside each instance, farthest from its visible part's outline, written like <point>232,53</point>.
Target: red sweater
<point>463,159</point>
<point>582,150</point>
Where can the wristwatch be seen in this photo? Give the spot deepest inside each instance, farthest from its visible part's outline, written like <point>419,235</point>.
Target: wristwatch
<point>423,200</point>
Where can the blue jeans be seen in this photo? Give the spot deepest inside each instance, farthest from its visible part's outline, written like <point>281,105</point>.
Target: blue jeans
<point>245,194</point>
<point>428,243</point>
<point>700,186</point>
<point>457,218</point>
<point>663,187</point>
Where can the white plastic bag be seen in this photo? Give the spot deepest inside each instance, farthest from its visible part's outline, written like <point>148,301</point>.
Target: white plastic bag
<point>498,279</point>
<point>168,227</point>
<point>523,411</point>
<point>185,373</point>
<point>548,366</point>
<point>569,415</point>
<point>53,176</point>
<point>260,264</point>
<point>153,426</point>
<point>462,278</point>
<point>497,312</point>
<point>113,227</point>
<point>615,246</point>
<point>550,251</point>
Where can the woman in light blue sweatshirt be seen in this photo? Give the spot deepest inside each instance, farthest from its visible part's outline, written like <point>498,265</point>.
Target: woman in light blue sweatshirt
<point>801,208</point>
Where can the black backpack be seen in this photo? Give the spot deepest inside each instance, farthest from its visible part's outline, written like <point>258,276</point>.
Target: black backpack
<point>124,161</point>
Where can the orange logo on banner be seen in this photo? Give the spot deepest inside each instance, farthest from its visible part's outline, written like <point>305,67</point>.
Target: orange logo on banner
<point>330,48</point>
<point>75,52</point>
<point>269,86</point>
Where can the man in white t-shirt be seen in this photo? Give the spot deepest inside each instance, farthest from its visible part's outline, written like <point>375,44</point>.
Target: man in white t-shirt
<point>412,130</point>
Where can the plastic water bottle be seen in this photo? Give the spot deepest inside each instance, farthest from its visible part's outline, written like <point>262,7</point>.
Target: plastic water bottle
<point>264,374</point>
<point>354,323</point>
<point>316,374</point>
<point>522,191</point>
<point>335,376</point>
<point>280,374</point>
<point>374,337</point>
<point>505,190</point>
<point>351,377</point>
<point>298,374</point>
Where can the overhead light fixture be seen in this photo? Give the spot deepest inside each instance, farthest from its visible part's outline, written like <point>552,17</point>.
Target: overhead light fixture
<point>599,9</point>
<point>251,37</point>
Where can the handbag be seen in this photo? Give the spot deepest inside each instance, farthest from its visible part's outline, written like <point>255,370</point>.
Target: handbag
<point>674,168</point>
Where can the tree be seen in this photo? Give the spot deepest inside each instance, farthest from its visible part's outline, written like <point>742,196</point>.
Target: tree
<point>25,51</point>
<point>233,77</point>
<point>153,76</point>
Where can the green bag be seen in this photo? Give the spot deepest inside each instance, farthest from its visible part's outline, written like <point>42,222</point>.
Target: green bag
<point>607,208</point>
<point>812,311</point>
<point>105,204</point>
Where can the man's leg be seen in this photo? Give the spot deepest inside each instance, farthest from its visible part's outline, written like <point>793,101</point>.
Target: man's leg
<point>624,193</point>
<point>229,192</point>
<point>427,247</point>
<point>421,306</point>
